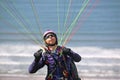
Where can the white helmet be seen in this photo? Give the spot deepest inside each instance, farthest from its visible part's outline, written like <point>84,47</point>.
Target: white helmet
<point>50,32</point>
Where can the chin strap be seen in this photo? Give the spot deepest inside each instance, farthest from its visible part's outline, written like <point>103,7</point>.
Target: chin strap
<point>50,44</point>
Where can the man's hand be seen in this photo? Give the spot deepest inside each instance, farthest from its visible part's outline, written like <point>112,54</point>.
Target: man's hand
<point>66,51</point>
<point>38,55</point>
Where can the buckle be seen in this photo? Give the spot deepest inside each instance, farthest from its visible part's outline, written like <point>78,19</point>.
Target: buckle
<point>62,78</point>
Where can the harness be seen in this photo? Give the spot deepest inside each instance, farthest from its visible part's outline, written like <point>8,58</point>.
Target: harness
<point>65,69</point>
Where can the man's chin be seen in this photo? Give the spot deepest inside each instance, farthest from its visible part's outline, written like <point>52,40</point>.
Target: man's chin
<point>51,44</point>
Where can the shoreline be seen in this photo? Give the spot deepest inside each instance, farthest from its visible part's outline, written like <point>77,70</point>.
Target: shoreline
<point>42,77</point>
<point>21,77</point>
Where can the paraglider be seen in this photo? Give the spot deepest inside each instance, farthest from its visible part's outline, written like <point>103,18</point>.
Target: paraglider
<point>58,59</point>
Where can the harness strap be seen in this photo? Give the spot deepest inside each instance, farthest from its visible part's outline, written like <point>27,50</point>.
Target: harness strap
<point>65,69</point>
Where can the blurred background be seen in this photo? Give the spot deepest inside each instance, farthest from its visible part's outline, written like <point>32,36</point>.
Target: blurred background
<point>91,26</point>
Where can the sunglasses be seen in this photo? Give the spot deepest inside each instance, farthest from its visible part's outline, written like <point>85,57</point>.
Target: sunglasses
<point>49,35</point>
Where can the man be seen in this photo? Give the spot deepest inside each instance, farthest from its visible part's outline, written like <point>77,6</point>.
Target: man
<point>58,59</point>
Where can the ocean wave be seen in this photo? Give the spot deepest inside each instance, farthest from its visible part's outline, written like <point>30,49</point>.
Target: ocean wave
<point>88,52</point>
<point>18,57</point>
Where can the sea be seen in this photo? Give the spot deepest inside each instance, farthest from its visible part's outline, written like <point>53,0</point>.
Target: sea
<point>96,61</point>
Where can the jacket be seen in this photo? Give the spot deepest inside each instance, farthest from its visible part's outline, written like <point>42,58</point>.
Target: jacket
<point>58,65</point>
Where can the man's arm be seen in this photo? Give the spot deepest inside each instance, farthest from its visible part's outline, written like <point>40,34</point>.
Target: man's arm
<point>38,62</point>
<point>76,57</point>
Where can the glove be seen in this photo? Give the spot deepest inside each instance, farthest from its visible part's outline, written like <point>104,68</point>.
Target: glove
<point>38,55</point>
<point>66,51</point>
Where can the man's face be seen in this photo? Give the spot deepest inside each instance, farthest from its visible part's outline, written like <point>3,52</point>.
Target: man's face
<point>50,39</point>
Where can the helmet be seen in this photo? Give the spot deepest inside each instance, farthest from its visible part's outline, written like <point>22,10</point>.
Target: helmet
<point>50,32</point>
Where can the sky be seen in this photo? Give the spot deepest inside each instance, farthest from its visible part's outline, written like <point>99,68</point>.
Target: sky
<point>97,25</point>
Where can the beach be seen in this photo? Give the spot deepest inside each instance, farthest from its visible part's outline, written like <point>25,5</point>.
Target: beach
<point>42,77</point>
<point>20,77</point>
